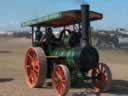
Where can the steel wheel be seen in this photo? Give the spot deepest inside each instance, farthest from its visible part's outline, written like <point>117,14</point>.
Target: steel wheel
<point>102,78</point>
<point>35,67</point>
<point>61,80</point>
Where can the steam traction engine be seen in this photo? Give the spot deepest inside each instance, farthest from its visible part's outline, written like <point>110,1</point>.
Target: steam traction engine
<point>68,57</point>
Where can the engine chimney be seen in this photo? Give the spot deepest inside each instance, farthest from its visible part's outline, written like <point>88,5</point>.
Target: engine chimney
<point>85,22</point>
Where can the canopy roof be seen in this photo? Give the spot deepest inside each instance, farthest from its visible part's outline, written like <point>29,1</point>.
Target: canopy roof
<point>61,19</point>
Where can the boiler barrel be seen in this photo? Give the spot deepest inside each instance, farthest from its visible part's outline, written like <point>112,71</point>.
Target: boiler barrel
<point>87,57</point>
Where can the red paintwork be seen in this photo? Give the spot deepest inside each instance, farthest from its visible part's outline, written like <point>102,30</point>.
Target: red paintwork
<point>100,82</point>
<point>58,73</point>
<point>31,67</point>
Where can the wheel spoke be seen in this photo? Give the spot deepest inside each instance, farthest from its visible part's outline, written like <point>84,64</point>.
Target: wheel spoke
<point>28,69</point>
<point>34,56</point>
<point>34,63</point>
<point>98,68</point>
<point>63,85</point>
<point>61,90</point>
<point>36,72</point>
<point>96,72</point>
<point>57,85</point>
<point>35,69</point>
<point>27,66</point>
<point>61,72</point>
<point>58,75</point>
<point>106,76</point>
<point>30,78</point>
<point>37,61</point>
<point>29,55</point>
<point>104,71</point>
<point>34,76</point>
<point>101,69</point>
<point>58,88</point>
<point>63,81</point>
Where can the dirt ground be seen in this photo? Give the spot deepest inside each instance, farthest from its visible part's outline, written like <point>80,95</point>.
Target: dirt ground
<point>12,81</point>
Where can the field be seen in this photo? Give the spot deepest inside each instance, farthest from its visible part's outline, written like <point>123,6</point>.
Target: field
<point>12,83</point>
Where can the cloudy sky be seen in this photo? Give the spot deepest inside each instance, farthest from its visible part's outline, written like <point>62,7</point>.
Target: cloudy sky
<point>14,12</point>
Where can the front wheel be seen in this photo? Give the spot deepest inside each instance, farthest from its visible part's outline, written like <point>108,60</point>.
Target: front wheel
<point>61,80</point>
<point>101,78</point>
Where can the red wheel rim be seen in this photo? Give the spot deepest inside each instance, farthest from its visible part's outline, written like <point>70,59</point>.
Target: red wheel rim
<point>99,78</point>
<point>59,82</point>
<point>31,67</point>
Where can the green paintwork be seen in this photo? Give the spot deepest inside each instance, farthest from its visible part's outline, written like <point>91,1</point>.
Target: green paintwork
<point>66,40</point>
<point>79,76</point>
<point>68,53</point>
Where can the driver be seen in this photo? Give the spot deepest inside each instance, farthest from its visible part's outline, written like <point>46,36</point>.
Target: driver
<point>49,38</point>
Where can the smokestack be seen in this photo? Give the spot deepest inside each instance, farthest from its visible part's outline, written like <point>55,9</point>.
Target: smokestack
<point>85,25</point>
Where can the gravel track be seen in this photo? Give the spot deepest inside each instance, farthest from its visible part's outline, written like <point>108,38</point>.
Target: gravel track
<point>12,81</point>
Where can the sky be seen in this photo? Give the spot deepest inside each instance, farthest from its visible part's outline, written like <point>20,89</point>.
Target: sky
<point>14,12</point>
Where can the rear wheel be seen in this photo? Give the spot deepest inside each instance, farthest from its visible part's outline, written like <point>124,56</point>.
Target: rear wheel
<point>35,67</point>
<point>61,80</point>
<point>102,78</point>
